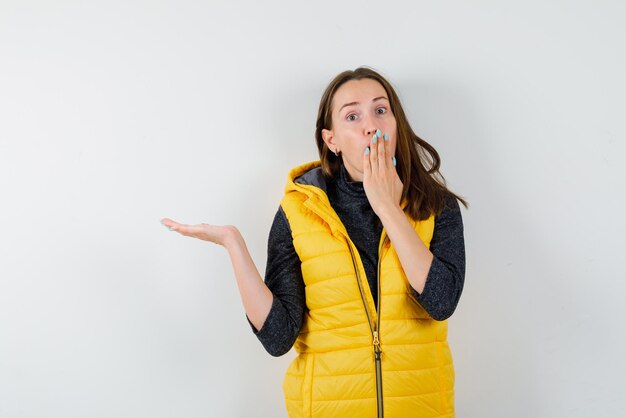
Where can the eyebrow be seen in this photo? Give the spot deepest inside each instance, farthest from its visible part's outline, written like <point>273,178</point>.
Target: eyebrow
<point>355,103</point>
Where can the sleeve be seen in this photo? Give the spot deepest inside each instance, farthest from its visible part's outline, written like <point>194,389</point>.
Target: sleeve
<point>283,276</point>
<point>446,276</point>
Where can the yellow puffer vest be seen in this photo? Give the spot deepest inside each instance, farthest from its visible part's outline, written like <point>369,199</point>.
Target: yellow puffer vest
<point>354,360</point>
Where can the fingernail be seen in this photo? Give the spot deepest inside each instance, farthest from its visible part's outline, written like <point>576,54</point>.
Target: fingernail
<point>386,136</point>
<point>394,161</point>
<point>367,150</point>
<point>374,139</point>
<point>378,133</point>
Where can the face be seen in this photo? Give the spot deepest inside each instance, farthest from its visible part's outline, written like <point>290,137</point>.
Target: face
<point>359,108</point>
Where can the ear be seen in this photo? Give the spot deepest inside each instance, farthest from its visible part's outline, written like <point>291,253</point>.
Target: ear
<point>328,138</point>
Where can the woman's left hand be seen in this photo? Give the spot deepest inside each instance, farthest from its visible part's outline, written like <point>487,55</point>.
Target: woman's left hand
<point>381,182</point>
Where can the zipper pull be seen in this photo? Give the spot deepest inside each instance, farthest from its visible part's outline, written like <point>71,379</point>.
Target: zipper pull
<point>376,340</point>
<point>377,350</point>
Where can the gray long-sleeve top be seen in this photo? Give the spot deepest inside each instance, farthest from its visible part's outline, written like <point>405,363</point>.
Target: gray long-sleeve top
<point>283,275</point>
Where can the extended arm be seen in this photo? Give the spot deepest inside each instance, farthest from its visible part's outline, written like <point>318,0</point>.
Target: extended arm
<point>283,276</point>
<point>255,295</point>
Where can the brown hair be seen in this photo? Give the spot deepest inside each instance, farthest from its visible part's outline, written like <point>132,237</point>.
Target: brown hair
<point>424,188</point>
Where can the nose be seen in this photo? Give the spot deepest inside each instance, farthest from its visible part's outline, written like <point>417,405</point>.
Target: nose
<point>369,127</point>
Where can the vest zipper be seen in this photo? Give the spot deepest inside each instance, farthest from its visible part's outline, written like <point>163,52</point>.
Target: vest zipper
<point>374,327</point>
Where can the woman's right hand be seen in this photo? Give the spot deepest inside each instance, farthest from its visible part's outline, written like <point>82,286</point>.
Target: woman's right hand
<point>222,235</point>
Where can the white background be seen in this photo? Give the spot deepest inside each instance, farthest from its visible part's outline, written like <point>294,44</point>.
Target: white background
<point>115,114</point>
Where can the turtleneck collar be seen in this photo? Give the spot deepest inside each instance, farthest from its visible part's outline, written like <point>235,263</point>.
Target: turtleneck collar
<point>353,188</point>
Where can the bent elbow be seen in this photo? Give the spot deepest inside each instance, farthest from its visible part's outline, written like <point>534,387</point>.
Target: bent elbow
<point>442,315</point>
<point>443,311</point>
<point>278,351</point>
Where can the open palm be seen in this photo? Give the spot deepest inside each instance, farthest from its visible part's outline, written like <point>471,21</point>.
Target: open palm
<point>218,234</point>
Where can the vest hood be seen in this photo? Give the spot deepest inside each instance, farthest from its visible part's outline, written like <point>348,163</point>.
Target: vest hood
<point>307,174</point>
<point>308,180</point>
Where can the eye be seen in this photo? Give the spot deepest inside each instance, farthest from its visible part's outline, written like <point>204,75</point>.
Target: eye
<point>351,116</point>
<point>381,110</point>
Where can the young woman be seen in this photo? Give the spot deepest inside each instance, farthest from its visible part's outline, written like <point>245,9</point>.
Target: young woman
<point>366,261</point>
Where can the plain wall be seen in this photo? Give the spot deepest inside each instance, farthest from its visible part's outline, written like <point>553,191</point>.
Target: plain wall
<point>116,114</point>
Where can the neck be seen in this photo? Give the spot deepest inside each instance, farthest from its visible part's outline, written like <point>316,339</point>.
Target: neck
<point>353,177</point>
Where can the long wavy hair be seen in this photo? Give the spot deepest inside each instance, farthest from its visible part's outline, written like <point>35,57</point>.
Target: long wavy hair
<point>417,162</point>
